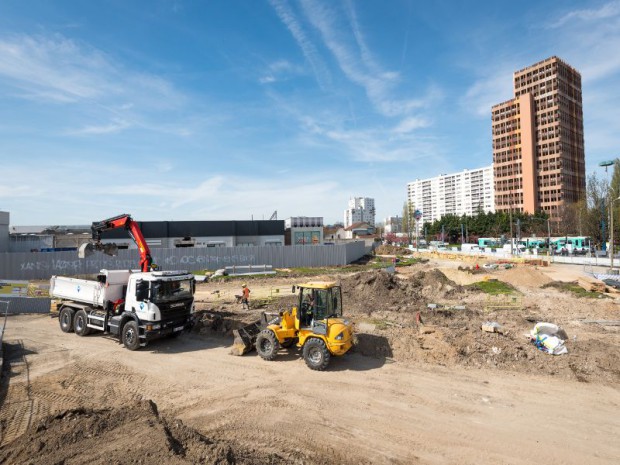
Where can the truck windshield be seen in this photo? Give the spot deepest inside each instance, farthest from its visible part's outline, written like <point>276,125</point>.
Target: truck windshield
<point>165,291</point>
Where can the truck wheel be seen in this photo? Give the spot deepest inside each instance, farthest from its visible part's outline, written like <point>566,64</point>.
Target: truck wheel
<point>130,335</point>
<point>79,323</point>
<point>267,345</point>
<point>316,354</point>
<point>65,318</point>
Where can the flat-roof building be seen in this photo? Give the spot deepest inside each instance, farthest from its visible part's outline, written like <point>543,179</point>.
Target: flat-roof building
<point>463,193</point>
<point>361,210</point>
<point>538,143</point>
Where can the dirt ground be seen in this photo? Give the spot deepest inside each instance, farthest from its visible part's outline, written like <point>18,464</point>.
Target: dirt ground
<point>422,385</point>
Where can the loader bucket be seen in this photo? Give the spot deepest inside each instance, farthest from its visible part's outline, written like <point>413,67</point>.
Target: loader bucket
<point>110,249</point>
<point>245,338</point>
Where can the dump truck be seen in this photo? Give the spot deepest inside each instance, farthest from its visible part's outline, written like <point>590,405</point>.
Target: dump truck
<point>316,325</point>
<point>135,307</point>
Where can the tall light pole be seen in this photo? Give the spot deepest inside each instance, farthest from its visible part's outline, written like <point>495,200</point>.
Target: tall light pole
<point>606,164</point>
<point>611,233</point>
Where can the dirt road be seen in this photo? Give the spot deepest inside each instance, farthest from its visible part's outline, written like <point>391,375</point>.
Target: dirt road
<point>363,410</point>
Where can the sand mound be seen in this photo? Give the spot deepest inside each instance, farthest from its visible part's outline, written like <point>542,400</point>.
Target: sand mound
<point>133,434</point>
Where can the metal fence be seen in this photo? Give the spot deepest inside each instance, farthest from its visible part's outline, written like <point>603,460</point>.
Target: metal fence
<point>4,309</point>
<point>43,265</point>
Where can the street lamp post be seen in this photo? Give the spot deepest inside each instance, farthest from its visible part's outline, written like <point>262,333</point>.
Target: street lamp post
<point>611,233</point>
<point>606,164</point>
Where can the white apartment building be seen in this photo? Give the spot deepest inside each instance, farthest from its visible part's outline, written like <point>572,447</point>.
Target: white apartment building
<point>463,193</point>
<point>393,224</point>
<point>361,210</point>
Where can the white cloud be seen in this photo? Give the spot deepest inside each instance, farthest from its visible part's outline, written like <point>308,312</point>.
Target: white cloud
<point>375,82</point>
<point>288,17</point>
<point>280,70</point>
<point>267,79</point>
<point>496,87</point>
<point>410,124</point>
<point>607,10</point>
<point>347,44</point>
<point>54,69</point>
<point>115,126</point>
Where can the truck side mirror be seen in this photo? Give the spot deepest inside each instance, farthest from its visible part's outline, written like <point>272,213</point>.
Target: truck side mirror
<point>142,290</point>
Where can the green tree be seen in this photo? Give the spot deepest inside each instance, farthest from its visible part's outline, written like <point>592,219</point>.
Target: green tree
<point>408,220</point>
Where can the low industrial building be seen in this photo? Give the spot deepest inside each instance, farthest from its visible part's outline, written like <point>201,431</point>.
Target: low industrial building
<point>158,234</point>
<point>303,230</point>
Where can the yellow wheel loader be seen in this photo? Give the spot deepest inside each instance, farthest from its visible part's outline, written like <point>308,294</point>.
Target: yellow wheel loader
<point>315,324</point>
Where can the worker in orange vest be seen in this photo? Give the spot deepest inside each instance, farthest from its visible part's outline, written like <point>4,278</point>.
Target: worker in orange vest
<point>245,296</point>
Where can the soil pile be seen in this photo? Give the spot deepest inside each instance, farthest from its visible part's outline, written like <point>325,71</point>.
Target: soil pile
<point>392,250</point>
<point>377,290</point>
<point>393,320</point>
<point>134,434</point>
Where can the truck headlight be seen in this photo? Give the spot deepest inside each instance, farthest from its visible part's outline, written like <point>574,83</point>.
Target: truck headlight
<point>340,337</point>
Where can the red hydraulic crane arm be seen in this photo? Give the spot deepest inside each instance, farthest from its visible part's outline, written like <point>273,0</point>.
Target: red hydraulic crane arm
<point>125,221</point>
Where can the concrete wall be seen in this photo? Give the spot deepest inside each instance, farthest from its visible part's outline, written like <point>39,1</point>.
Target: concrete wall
<point>43,265</point>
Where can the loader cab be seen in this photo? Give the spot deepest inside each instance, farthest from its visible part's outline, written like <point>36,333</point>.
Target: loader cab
<point>318,302</point>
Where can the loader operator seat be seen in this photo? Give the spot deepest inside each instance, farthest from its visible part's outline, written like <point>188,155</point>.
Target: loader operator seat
<point>307,310</point>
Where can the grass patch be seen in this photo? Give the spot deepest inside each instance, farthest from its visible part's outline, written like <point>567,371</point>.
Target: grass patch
<point>375,263</point>
<point>411,261</point>
<point>493,287</point>
<point>574,289</point>
<point>379,324</point>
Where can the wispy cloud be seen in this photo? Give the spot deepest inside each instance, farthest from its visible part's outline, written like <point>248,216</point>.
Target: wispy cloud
<point>115,126</point>
<point>288,17</point>
<point>353,64</point>
<point>607,10</point>
<point>411,124</point>
<point>53,67</point>
<point>280,70</point>
<point>57,70</point>
<point>493,88</point>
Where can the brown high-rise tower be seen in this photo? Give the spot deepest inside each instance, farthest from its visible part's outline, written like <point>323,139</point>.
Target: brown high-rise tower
<point>538,150</point>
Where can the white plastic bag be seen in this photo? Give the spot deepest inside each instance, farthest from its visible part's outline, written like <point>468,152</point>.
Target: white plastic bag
<point>544,337</point>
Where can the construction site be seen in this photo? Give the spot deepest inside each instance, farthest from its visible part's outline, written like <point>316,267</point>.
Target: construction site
<point>443,369</point>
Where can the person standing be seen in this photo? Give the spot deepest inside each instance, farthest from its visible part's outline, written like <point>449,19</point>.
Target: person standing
<point>245,296</point>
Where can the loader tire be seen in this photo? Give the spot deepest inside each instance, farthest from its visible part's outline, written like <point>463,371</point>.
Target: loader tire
<point>267,344</point>
<point>65,318</point>
<point>316,354</point>
<point>80,324</point>
<point>130,335</point>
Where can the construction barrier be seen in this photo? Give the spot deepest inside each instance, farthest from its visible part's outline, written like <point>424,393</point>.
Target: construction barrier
<point>504,302</point>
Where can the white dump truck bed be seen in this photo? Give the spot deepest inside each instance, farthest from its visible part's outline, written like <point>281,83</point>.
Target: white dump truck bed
<point>92,292</point>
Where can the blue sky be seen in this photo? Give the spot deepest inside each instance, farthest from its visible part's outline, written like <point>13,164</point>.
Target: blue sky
<point>211,110</point>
